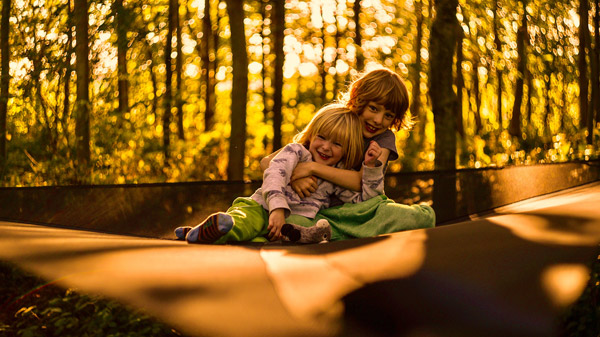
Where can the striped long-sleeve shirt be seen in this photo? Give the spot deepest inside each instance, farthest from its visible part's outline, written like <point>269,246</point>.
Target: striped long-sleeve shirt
<point>276,191</point>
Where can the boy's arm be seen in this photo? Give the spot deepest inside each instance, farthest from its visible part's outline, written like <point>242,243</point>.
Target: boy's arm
<point>348,179</point>
<point>372,177</point>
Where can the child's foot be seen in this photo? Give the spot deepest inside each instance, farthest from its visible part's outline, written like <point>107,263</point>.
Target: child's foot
<point>181,232</point>
<point>211,230</point>
<point>321,232</point>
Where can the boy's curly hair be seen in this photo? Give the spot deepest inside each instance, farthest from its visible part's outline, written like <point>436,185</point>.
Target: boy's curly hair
<point>384,87</point>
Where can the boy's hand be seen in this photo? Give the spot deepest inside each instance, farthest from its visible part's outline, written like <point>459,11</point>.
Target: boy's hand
<point>305,186</point>
<point>302,170</point>
<point>276,221</point>
<point>373,152</point>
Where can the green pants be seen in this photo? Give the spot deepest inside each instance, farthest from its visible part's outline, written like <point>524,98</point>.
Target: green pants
<point>376,216</point>
<point>250,221</point>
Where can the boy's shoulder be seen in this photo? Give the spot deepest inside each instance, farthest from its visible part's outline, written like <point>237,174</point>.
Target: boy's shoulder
<point>387,134</point>
<point>386,140</point>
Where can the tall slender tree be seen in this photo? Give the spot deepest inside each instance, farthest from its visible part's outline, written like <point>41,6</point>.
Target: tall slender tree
<point>415,106</point>
<point>278,35</point>
<point>323,66</point>
<point>168,96</point>
<point>178,73</point>
<point>584,41</point>
<point>207,47</point>
<point>460,81</point>
<point>597,47</point>
<point>82,105</point>
<point>515,122</point>
<point>121,16</point>
<point>4,76</point>
<point>499,56</point>
<point>360,57</point>
<point>239,90</point>
<point>68,68</point>
<point>265,31</point>
<point>595,76</point>
<point>442,43</point>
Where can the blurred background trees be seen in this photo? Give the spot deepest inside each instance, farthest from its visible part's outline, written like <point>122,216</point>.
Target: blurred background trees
<point>164,90</point>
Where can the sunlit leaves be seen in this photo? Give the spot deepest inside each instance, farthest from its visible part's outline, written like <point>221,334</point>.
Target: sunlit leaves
<point>321,55</point>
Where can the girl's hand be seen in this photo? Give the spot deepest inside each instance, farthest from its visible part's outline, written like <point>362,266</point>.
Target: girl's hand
<point>302,170</point>
<point>373,152</point>
<point>276,221</point>
<point>305,186</point>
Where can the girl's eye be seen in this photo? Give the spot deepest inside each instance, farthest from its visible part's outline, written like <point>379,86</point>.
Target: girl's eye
<point>320,137</point>
<point>389,116</point>
<point>372,108</point>
<point>337,144</point>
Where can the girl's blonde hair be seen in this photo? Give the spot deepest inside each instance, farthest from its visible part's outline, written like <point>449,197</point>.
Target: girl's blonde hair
<point>339,123</point>
<point>384,87</point>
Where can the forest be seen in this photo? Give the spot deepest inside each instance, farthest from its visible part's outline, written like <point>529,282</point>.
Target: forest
<point>129,91</point>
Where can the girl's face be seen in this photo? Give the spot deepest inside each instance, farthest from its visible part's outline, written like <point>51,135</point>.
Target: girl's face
<point>325,150</point>
<point>375,119</point>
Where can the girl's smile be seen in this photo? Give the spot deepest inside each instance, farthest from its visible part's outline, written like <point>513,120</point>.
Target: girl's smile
<point>375,119</point>
<point>325,150</point>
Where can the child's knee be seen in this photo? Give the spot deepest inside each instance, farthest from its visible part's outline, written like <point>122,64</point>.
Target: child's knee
<point>429,215</point>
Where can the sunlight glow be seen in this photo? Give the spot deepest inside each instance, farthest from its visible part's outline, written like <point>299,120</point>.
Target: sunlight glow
<point>308,69</point>
<point>255,67</point>
<point>564,283</point>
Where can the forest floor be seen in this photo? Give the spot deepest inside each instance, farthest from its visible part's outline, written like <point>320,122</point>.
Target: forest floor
<point>33,307</point>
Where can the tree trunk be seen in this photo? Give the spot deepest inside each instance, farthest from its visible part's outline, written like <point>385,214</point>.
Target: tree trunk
<point>595,106</point>
<point>460,82</point>
<point>548,106</point>
<point>584,34</point>
<point>338,36</point>
<point>178,68</point>
<point>67,84</point>
<point>123,82</point>
<point>278,28</point>
<point>443,99</point>
<point>154,82</point>
<point>323,67</point>
<point>597,59</point>
<point>498,69</point>
<point>168,97</point>
<point>360,58</point>
<point>515,122</point>
<point>414,143</point>
<point>82,105</point>
<point>415,107</point>
<point>530,93</point>
<point>239,91</point>
<point>208,71</point>
<point>4,78</point>
<point>477,94</point>
<point>263,71</point>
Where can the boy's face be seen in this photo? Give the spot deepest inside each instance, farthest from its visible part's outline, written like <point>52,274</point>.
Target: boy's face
<point>375,119</point>
<point>325,150</point>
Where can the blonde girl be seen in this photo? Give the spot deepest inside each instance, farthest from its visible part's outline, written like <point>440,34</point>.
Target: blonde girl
<point>333,138</point>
